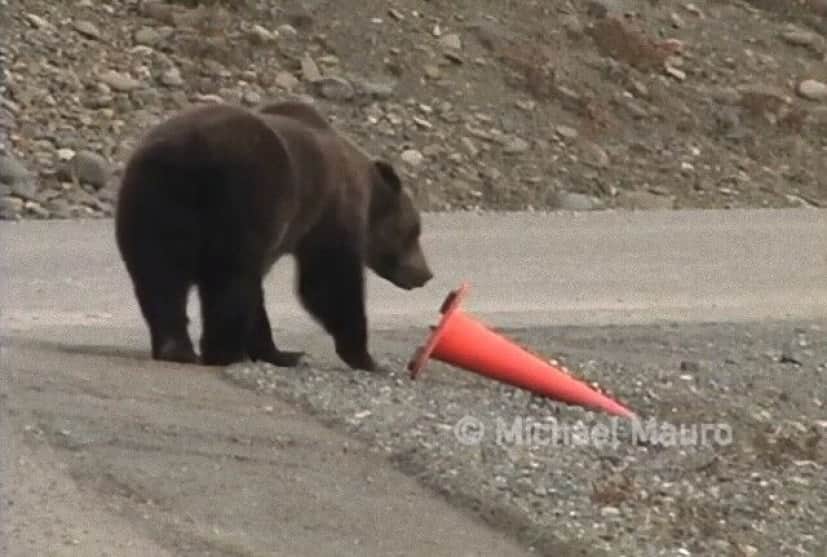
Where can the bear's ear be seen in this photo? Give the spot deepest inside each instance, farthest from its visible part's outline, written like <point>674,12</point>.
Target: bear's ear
<point>388,174</point>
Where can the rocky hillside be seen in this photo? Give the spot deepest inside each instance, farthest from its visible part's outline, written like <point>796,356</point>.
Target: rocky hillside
<point>492,104</point>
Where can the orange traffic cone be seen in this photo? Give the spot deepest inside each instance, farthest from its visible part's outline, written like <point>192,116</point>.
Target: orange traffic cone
<point>461,341</point>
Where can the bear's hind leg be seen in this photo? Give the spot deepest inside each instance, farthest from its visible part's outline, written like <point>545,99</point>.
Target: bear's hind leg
<point>228,310</point>
<point>260,344</point>
<point>163,303</point>
<point>331,288</point>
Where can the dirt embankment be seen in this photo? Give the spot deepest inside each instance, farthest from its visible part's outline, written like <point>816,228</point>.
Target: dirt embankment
<point>484,104</point>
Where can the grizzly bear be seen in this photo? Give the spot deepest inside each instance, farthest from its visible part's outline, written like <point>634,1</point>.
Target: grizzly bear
<point>212,197</point>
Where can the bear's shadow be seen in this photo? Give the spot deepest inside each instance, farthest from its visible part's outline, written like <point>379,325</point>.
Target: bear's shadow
<point>100,350</point>
<point>143,356</point>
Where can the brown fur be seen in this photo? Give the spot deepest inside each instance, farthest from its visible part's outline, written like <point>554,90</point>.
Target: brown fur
<point>215,195</point>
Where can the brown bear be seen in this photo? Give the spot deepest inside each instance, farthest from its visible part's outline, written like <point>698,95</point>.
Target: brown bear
<point>215,195</point>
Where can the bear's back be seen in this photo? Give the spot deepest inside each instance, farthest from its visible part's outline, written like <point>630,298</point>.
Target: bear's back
<point>209,134</point>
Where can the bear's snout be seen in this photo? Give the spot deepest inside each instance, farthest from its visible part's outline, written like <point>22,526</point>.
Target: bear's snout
<point>416,279</point>
<point>413,272</point>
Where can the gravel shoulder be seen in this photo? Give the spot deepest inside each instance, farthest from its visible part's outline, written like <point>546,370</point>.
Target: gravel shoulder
<point>729,457</point>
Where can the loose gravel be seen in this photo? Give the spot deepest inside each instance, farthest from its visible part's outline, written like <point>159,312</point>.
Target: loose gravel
<point>728,456</point>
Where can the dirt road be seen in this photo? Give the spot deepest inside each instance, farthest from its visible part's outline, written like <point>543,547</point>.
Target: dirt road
<point>112,454</point>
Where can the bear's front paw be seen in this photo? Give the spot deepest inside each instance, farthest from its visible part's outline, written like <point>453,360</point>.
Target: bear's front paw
<point>179,351</point>
<point>282,358</point>
<point>385,367</point>
<point>357,359</point>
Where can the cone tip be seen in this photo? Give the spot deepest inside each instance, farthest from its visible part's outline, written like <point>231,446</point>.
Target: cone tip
<point>626,413</point>
<point>613,407</point>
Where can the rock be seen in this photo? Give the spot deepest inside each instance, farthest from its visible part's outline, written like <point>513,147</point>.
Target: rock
<point>65,154</point>
<point>207,98</point>
<point>636,109</point>
<point>792,354</point>
<point>800,37</point>
<point>119,81</point>
<point>468,143</point>
<point>216,69</point>
<point>147,36</point>
<point>609,511</point>
<point>172,78</point>
<point>7,117</point>
<point>527,105</point>
<point>12,171</point>
<point>412,157</point>
<point>690,366</point>
<point>300,18</point>
<point>159,11</point>
<point>765,95</point>
<point>644,200</point>
<point>334,88</point>
<point>304,98</point>
<point>231,95</point>
<point>566,132</point>
<point>572,201</point>
<point>453,57</point>
<point>515,145</point>
<point>377,90</point>
<point>812,90</point>
<point>287,30</point>
<point>432,71</point>
<point>722,547</point>
<point>604,8</point>
<point>26,189</point>
<point>432,150</point>
<point>60,208</point>
<point>251,98</point>
<point>90,168</point>
<point>594,155</point>
<point>678,74</point>
<point>728,119</point>
<point>422,123</point>
<point>492,35</point>
<point>748,550</point>
<point>10,207</point>
<point>140,97</point>
<point>310,71</point>
<point>36,209</point>
<point>329,60</point>
<point>286,80</point>
<point>572,25</point>
<point>262,35</point>
<point>38,22</point>
<point>87,29</point>
<point>78,196</point>
<point>180,99</point>
<point>451,41</point>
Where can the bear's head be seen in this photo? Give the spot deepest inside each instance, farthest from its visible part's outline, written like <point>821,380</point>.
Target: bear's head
<point>394,227</point>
